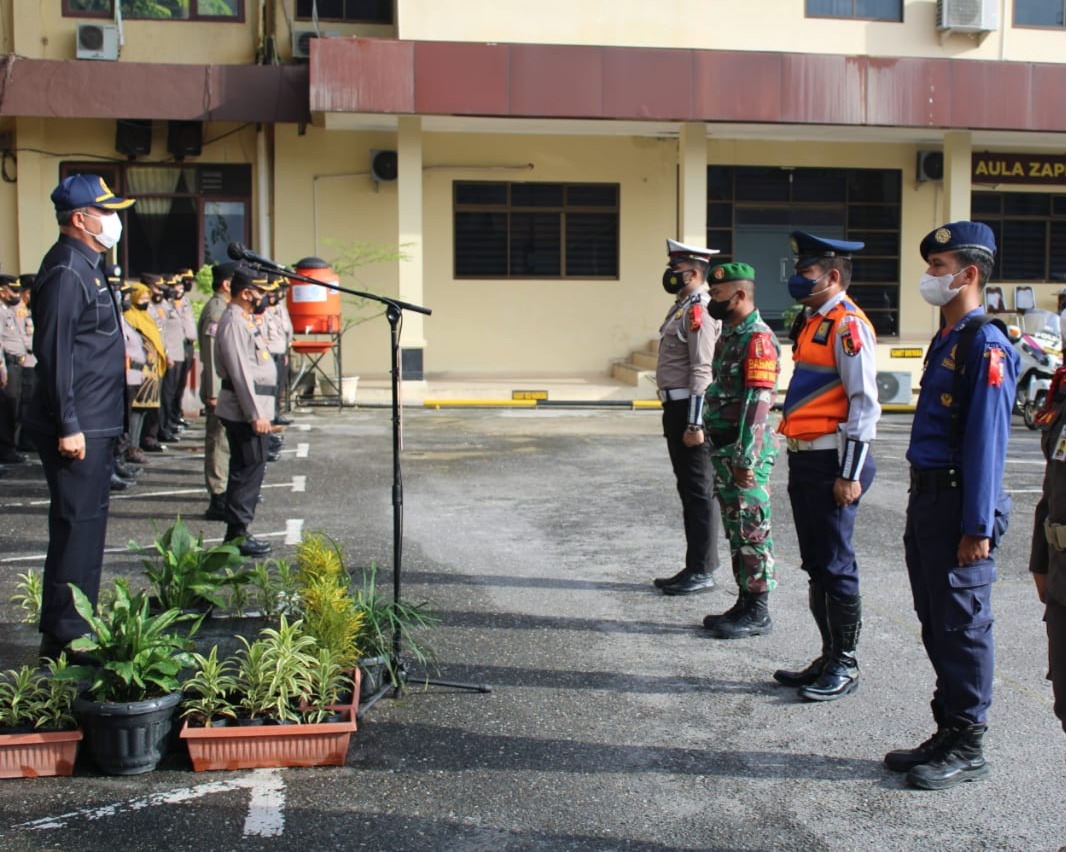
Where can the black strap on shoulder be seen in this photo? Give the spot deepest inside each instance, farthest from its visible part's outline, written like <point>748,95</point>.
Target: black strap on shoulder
<point>962,355</point>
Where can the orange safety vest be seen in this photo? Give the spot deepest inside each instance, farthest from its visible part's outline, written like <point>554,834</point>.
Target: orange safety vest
<point>816,402</point>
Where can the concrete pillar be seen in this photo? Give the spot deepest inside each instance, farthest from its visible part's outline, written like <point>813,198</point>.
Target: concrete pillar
<point>409,235</point>
<point>37,228</point>
<point>692,185</point>
<point>958,176</point>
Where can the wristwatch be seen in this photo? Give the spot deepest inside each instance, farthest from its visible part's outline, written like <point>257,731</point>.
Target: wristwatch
<point>692,427</point>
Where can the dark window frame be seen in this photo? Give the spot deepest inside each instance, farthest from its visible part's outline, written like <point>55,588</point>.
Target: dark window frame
<point>350,19</point>
<point>507,208</point>
<point>1035,26</point>
<point>194,14</point>
<point>115,176</point>
<point>1052,221</point>
<point>854,16</point>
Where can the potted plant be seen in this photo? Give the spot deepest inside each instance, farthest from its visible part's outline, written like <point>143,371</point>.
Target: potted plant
<point>185,575</point>
<point>207,693</point>
<point>128,709</point>
<point>38,733</point>
<point>29,591</point>
<point>328,680</point>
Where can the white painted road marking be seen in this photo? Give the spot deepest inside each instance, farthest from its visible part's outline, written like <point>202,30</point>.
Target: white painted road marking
<point>176,492</point>
<point>302,450</point>
<point>294,530</point>
<point>266,805</point>
<point>299,483</point>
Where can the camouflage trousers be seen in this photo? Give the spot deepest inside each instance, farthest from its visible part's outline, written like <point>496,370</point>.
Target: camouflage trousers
<point>746,518</point>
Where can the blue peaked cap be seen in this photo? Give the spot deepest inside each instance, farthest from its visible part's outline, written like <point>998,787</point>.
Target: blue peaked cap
<point>810,249</point>
<point>956,236</point>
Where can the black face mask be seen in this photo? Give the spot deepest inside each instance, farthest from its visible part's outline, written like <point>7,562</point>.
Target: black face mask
<point>673,281</point>
<point>125,303</point>
<point>11,301</point>
<point>261,305</point>
<point>141,306</point>
<point>157,297</point>
<point>719,310</point>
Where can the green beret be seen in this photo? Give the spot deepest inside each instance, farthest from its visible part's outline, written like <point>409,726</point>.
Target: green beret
<point>726,272</point>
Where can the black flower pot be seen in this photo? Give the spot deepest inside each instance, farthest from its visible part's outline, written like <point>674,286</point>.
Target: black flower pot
<point>375,675</point>
<point>127,739</point>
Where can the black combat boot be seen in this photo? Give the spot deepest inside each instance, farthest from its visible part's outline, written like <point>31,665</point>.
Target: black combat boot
<point>960,759</point>
<point>840,675</point>
<point>752,620</point>
<point>905,759</point>
<point>803,677</point>
<point>735,610</point>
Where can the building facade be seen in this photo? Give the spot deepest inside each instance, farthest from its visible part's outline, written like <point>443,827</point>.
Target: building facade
<point>529,163</point>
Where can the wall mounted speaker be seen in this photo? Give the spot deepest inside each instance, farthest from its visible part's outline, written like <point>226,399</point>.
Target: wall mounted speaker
<point>185,138</point>
<point>133,137</point>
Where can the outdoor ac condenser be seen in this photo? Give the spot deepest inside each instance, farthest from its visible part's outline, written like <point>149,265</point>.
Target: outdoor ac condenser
<point>301,42</point>
<point>967,16</point>
<point>97,41</point>
<point>894,388</point>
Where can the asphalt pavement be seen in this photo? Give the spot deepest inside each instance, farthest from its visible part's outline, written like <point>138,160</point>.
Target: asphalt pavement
<point>614,721</point>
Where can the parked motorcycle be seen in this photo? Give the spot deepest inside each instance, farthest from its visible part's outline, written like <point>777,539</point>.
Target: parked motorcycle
<point>1036,338</point>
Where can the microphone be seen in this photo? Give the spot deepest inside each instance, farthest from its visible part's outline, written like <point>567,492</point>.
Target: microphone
<point>236,251</point>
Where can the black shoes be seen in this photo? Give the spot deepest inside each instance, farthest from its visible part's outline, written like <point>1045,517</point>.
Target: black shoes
<point>690,584</point>
<point>118,483</point>
<point>127,471</point>
<point>169,437</point>
<point>216,509</point>
<point>152,447</point>
<point>13,457</point>
<point>712,620</point>
<point>958,758</point>
<point>659,582</point>
<point>251,546</point>
<point>803,677</point>
<point>273,456</point>
<point>905,759</point>
<point>752,619</point>
<point>282,420</point>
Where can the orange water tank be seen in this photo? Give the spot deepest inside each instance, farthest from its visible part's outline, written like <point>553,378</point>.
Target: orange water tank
<point>314,309</point>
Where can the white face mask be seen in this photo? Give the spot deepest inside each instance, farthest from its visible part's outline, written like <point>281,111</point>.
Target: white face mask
<point>110,230</point>
<point>937,290</point>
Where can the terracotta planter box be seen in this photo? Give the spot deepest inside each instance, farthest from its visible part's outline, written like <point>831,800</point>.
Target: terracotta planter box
<point>236,747</point>
<point>35,755</point>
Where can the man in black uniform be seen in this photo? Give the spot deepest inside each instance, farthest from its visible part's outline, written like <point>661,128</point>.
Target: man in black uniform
<point>77,410</point>
<point>245,403</point>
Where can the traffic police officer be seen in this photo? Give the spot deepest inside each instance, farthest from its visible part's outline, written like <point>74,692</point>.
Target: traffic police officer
<point>957,510</point>
<point>279,336</point>
<point>1047,559</point>
<point>831,414</point>
<point>157,312</point>
<point>743,444</point>
<point>174,332</point>
<point>29,374</point>
<point>686,350</point>
<point>13,345</point>
<point>216,446</point>
<point>76,413</point>
<point>245,403</point>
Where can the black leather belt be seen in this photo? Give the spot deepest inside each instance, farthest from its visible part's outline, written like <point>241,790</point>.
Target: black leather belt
<point>14,359</point>
<point>259,390</point>
<point>721,439</point>
<point>935,480</point>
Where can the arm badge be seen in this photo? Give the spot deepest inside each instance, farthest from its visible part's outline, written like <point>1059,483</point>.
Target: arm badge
<point>760,366</point>
<point>695,317</point>
<point>995,366</point>
<point>849,337</point>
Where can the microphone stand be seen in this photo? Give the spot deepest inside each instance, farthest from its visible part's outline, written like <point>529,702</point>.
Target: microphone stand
<point>394,309</point>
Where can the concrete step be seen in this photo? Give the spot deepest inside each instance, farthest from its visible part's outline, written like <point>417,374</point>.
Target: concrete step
<point>623,371</point>
<point>644,360</point>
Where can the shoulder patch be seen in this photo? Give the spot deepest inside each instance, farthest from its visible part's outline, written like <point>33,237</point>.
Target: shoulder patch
<point>695,317</point>
<point>212,327</point>
<point>995,366</point>
<point>849,336</point>
<point>760,365</point>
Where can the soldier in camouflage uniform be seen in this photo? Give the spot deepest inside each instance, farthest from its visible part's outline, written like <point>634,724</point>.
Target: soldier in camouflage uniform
<point>743,445</point>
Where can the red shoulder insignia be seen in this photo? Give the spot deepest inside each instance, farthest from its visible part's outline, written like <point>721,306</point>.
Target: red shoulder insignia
<point>995,366</point>
<point>849,337</point>
<point>695,317</point>
<point>760,366</point>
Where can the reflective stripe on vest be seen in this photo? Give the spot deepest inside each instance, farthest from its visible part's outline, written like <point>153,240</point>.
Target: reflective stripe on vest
<point>816,402</point>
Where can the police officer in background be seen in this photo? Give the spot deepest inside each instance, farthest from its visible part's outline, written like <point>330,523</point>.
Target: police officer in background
<point>157,312</point>
<point>29,374</point>
<point>279,336</point>
<point>245,403</point>
<point>686,350</point>
<point>216,446</point>
<point>957,509</point>
<point>78,409</point>
<point>174,331</point>
<point>1047,558</point>
<point>13,345</point>
<point>743,445</point>
<point>831,414</point>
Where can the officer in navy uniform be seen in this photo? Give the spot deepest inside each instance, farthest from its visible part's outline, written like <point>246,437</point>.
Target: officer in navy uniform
<point>245,403</point>
<point>687,339</point>
<point>831,413</point>
<point>78,408</point>
<point>957,509</point>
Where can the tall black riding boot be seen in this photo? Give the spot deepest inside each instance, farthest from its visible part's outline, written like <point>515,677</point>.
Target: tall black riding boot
<point>752,620</point>
<point>840,675</point>
<point>960,759</point>
<point>905,759</point>
<point>803,677</point>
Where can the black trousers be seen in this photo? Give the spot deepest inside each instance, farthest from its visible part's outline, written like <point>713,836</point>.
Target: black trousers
<point>171,386</point>
<point>695,485</point>
<point>77,526</point>
<point>10,402</point>
<point>29,384</point>
<point>247,464</point>
<point>1055,620</point>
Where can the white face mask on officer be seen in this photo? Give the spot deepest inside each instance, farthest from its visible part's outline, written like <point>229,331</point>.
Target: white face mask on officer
<point>937,289</point>
<point>110,229</point>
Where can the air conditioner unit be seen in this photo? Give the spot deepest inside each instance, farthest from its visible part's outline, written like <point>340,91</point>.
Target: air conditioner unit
<point>97,41</point>
<point>930,166</point>
<point>894,388</point>
<point>384,166</point>
<point>967,16</point>
<point>301,42</point>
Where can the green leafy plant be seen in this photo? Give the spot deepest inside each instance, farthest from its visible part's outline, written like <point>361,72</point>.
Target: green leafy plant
<point>317,555</point>
<point>209,689</point>
<point>184,574</point>
<point>138,655</point>
<point>272,672</point>
<point>383,618</point>
<point>274,588</point>
<point>332,617</point>
<point>28,593</point>
<point>254,679</point>
<point>31,699</point>
<point>327,679</point>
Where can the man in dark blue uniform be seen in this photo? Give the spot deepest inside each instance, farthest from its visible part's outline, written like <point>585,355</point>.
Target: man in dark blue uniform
<point>957,510</point>
<point>78,408</point>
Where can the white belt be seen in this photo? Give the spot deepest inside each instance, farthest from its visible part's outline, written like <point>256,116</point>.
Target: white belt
<point>674,394</point>
<point>825,442</point>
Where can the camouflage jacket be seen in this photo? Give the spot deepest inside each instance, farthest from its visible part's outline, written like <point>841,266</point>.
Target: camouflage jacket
<point>746,368</point>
